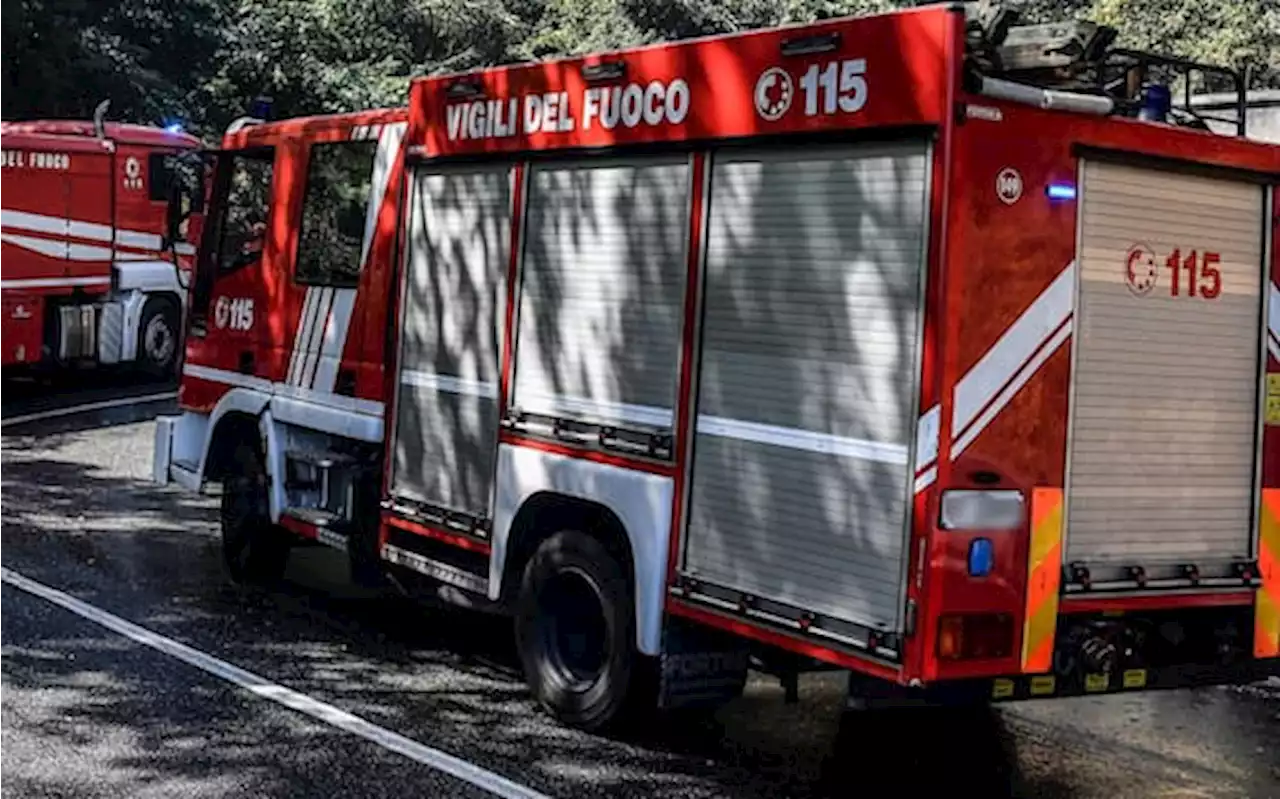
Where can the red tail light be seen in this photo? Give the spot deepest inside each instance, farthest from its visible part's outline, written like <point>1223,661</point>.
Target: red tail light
<point>975,636</point>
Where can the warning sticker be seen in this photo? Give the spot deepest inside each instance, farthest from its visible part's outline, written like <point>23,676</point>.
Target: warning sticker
<point>1273,399</point>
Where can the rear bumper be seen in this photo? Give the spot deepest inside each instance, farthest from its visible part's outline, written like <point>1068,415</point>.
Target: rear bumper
<point>866,693</point>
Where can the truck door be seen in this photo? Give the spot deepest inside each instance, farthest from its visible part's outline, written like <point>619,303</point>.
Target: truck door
<point>1163,443</point>
<point>452,317</point>
<point>333,244</point>
<point>235,252</point>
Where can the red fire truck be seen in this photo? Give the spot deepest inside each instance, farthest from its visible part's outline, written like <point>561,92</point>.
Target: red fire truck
<point>88,272</point>
<point>925,345</point>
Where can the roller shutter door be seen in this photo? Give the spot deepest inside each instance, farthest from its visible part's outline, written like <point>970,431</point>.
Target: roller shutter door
<point>801,473</point>
<point>602,288</point>
<point>1164,410</point>
<point>454,308</point>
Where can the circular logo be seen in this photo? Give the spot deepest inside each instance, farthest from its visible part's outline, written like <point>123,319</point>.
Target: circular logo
<point>774,92</point>
<point>1009,185</point>
<point>1140,270</point>
<point>131,167</point>
<point>222,312</point>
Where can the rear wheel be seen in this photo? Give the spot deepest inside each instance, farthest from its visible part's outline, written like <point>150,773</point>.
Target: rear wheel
<point>575,631</point>
<point>253,549</point>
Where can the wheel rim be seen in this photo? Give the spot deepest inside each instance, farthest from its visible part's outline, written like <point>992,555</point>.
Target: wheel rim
<point>574,630</point>
<point>158,340</point>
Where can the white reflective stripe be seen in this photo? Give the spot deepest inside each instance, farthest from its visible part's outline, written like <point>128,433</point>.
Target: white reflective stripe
<point>64,226</point>
<point>54,282</point>
<point>384,161</point>
<point>926,479</point>
<point>327,398</point>
<point>88,252</point>
<point>359,131</point>
<point>226,376</point>
<point>1019,380</point>
<point>89,230</point>
<point>793,438</point>
<point>295,357</point>
<point>927,437</point>
<point>595,410</point>
<point>1273,347</point>
<point>337,401</point>
<point>48,247</point>
<point>37,222</point>
<point>451,385</point>
<point>334,339</point>
<point>1008,355</point>
<point>315,336</point>
<point>137,240</point>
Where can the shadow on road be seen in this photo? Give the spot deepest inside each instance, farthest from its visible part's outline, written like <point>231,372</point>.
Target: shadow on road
<point>448,678</point>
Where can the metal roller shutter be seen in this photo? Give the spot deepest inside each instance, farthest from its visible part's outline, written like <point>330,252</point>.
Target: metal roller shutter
<point>1164,425</point>
<point>808,387</point>
<point>454,307</point>
<point>602,285</point>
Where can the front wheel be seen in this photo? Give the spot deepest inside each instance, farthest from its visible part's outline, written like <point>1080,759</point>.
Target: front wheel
<point>575,631</point>
<point>253,549</point>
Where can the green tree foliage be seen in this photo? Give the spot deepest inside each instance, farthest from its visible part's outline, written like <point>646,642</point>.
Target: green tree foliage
<point>203,61</point>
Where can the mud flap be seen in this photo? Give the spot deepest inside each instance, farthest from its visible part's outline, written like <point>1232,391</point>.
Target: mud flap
<point>700,667</point>
<point>363,546</point>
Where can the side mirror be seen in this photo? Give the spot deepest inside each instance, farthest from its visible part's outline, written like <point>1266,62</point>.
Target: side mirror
<point>179,208</point>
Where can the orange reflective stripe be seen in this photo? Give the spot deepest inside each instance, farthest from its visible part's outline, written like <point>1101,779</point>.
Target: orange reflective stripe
<point>1044,577</point>
<point>1266,623</point>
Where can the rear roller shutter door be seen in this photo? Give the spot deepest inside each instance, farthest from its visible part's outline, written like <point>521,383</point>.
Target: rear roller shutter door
<point>1164,425</point>
<point>454,307</point>
<point>602,285</point>
<point>808,386</point>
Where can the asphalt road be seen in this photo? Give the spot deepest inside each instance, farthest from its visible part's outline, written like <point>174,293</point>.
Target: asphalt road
<point>88,712</point>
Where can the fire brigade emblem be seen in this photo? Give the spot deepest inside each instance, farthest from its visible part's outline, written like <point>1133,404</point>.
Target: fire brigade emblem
<point>1140,270</point>
<point>1009,185</point>
<point>773,95</point>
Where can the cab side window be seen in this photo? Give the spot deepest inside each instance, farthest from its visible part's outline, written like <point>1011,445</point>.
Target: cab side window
<point>334,209</point>
<point>244,223</point>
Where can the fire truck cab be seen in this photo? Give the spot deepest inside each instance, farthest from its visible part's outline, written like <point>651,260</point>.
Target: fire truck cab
<point>92,269</point>
<point>923,345</point>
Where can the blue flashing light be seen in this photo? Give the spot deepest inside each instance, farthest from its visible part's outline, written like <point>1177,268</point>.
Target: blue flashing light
<point>982,557</point>
<point>1061,191</point>
<point>173,127</point>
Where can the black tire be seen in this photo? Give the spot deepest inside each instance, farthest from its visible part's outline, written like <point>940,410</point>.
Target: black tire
<point>159,338</point>
<point>575,632</point>
<point>254,551</point>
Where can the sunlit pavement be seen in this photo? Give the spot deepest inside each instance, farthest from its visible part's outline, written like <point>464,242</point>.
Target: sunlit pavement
<point>87,712</point>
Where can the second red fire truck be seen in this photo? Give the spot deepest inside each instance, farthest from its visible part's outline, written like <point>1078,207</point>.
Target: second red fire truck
<point>92,271</point>
<point>922,345</point>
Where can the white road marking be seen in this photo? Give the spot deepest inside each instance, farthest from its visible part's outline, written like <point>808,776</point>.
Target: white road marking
<point>89,406</point>
<point>260,686</point>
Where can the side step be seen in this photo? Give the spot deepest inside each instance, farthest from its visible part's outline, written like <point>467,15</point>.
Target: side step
<point>462,569</point>
<point>317,524</point>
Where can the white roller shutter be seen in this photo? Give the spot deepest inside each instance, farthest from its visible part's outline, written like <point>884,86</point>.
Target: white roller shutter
<point>602,289</point>
<point>801,471</point>
<point>446,423</point>
<point>1163,438</point>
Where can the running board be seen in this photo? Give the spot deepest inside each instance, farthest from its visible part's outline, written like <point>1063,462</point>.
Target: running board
<point>436,570</point>
<point>318,525</point>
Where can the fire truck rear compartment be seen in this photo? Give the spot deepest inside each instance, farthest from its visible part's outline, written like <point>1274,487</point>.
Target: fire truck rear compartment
<point>1161,468</point>
<point>801,470</point>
